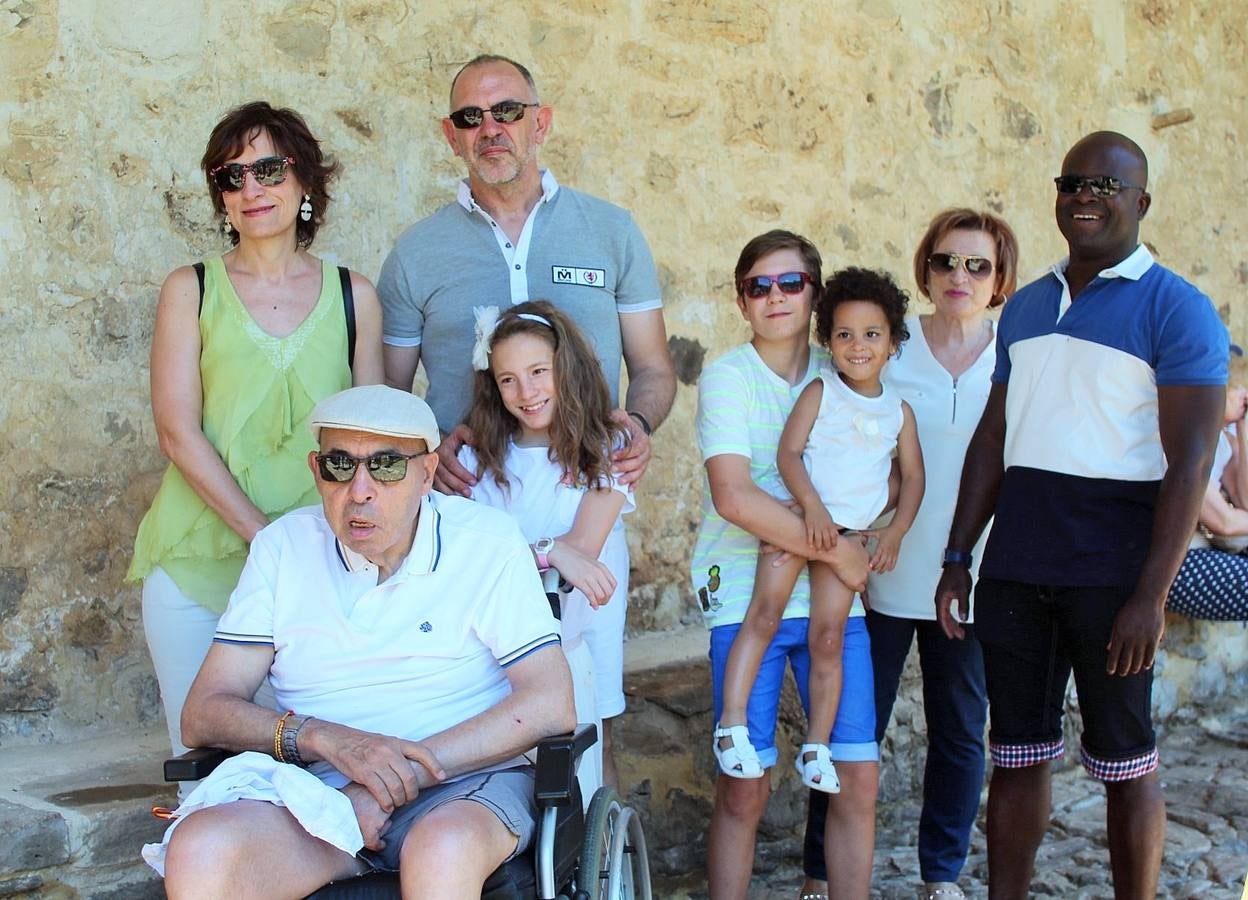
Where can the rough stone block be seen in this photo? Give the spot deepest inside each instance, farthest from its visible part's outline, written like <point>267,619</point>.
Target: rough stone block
<point>31,838</point>
<point>22,884</point>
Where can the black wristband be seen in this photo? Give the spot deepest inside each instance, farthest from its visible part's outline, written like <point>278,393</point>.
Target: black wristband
<point>956,557</point>
<point>641,420</point>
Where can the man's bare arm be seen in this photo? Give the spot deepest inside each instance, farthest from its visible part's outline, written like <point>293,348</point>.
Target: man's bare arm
<point>651,376</point>
<point>400,365</point>
<point>539,706</point>
<point>219,713</point>
<point>1189,418</point>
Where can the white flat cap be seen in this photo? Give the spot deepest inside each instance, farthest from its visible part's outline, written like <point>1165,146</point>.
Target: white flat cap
<point>377,409</point>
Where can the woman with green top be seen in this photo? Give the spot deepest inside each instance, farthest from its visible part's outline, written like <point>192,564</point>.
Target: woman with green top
<point>245,345</point>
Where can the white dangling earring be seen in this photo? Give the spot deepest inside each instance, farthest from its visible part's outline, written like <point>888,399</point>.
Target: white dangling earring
<point>305,211</point>
<point>226,226</point>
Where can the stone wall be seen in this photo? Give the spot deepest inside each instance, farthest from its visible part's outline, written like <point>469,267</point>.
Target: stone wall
<point>851,122</point>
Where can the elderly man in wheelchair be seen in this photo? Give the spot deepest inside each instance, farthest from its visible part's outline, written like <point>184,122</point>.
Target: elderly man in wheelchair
<point>408,638</point>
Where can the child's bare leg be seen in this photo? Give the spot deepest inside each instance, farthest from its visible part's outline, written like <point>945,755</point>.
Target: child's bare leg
<point>772,587</point>
<point>830,601</point>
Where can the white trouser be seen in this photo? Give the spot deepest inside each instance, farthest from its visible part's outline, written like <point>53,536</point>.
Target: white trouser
<point>581,665</point>
<point>179,632</point>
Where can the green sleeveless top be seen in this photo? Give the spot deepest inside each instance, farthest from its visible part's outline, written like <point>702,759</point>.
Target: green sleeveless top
<point>258,392</point>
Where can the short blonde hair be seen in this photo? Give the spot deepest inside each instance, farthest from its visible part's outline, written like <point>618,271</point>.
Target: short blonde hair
<point>963,219</point>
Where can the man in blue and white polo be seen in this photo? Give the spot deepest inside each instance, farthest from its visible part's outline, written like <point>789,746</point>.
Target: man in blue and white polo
<point>410,641</point>
<point>1092,453</point>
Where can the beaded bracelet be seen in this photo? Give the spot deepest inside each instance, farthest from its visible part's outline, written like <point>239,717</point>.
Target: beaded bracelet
<point>277,736</point>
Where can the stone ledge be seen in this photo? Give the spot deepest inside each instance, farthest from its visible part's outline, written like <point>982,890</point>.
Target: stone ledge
<point>75,815</point>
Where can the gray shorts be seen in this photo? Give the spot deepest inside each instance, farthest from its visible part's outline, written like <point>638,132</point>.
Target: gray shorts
<point>508,793</point>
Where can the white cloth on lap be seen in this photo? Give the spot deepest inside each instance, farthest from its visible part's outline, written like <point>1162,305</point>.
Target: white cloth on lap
<point>323,812</point>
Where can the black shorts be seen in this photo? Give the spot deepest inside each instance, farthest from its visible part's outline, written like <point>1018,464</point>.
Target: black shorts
<point>1033,637</point>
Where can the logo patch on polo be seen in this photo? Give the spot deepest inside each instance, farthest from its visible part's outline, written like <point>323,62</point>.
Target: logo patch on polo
<point>574,275</point>
<point>426,627</point>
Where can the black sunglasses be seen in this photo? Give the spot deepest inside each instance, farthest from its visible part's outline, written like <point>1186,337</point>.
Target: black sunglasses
<point>1099,185</point>
<point>976,266</point>
<point>269,171</point>
<point>385,466</point>
<point>503,111</point>
<point>788,282</point>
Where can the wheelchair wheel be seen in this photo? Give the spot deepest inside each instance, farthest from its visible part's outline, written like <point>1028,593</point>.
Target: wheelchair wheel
<point>614,863</point>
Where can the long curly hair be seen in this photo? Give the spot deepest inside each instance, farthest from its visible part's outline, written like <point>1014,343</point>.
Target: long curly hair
<point>582,433</point>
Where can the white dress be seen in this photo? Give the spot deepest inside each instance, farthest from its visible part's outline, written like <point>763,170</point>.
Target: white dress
<point>850,449</point>
<point>544,505</point>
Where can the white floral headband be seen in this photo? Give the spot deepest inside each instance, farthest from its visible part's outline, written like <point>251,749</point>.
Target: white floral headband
<point>486,321</point>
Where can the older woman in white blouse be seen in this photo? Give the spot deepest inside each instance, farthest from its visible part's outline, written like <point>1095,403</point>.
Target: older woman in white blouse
<point>966,265</point>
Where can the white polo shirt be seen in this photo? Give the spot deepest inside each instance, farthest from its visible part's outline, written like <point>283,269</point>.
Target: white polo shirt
<point>411,657</point>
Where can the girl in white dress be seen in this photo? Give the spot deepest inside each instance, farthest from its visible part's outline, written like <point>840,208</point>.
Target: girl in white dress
<point>542,442</point>
<point>835,456</point>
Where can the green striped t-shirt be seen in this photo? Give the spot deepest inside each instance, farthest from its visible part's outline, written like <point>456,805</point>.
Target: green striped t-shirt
<point>742,408</point>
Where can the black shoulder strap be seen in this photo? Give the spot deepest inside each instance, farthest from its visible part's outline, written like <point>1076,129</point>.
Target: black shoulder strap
<point>199,273</point>
<point>348,310</point>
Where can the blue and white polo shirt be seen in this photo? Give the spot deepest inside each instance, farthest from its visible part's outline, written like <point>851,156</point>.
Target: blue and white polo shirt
<point>1083,457</point>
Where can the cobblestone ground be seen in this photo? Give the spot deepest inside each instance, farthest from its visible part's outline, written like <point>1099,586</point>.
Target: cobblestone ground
<point>1205,772</point>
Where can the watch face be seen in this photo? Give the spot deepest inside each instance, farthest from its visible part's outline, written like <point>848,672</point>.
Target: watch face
<point>544,545</point>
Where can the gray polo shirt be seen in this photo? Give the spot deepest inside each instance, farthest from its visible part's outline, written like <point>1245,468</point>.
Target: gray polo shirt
<point>584,255</point>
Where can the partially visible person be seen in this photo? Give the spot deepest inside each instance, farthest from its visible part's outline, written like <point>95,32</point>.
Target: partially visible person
<point>1213,581</point>
<point>237,365</point>
<point>514,234</point>
<point>835,457</point>
<point>541,418</point>
<point>408,637</point>
<point>966,264</point>
<point>1091,459</point>
<point>744,399</point>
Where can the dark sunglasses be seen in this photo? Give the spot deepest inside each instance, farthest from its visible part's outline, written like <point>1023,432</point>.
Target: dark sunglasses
<point>788,282</point>
<point>269,171</point>
<point>386,466</point>
<point>944,263</point>
<point>503,111</point>
<point>1100,185</point>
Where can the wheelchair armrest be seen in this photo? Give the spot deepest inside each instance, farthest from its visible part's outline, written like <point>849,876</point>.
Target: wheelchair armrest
<point>195,764</point>
<point>556,765</point>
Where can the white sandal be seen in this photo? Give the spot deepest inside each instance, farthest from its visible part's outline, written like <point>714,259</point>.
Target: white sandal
<point>740,760</point>
<point>821,767</point>
<point>935,890</point>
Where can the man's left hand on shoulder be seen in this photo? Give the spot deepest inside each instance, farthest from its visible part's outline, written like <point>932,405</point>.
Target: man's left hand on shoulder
<point>1136,634</point>
<point>630,461</point>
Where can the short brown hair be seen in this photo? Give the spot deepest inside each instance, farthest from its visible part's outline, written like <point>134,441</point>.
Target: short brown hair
<point>770,242</point>
<point>291,136</point>
<point>487,58</point>
<point>963,219</point>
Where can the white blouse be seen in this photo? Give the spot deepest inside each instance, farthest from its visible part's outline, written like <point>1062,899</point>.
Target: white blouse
<point>946,411</point>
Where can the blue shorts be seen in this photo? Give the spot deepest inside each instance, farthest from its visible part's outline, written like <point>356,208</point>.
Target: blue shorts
<point>853,733</point>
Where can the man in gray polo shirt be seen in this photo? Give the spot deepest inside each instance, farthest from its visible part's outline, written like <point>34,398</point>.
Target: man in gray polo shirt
<point>514,234</point>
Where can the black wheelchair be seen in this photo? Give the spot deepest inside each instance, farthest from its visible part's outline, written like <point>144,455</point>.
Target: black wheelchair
<point>592,855</point>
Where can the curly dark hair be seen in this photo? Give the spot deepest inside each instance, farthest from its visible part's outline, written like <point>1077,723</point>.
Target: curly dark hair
<point>855,283</point>
<point>291,136</point>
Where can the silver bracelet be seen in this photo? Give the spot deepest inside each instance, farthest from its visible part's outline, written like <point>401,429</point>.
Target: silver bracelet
<point>290,740</point>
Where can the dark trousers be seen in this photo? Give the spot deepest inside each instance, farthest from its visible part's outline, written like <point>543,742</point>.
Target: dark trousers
<point>956,707</point>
